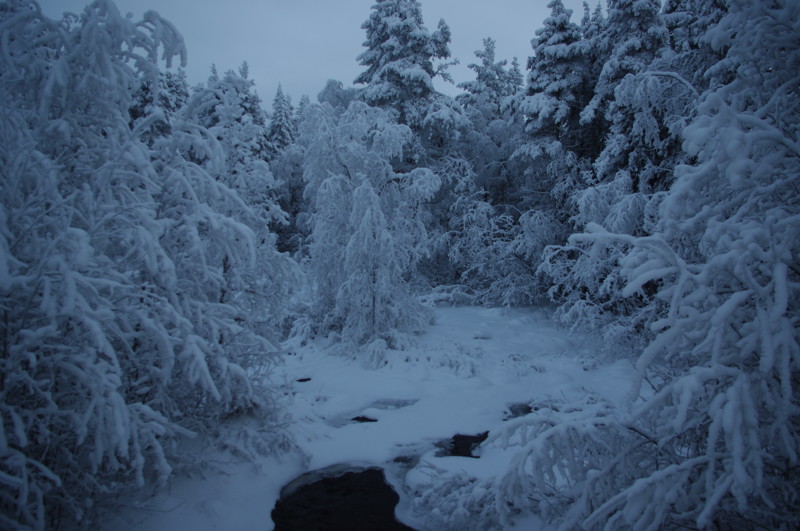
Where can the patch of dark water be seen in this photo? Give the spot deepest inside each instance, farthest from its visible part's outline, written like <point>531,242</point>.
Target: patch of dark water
<point>352,500</point>
<point>462,445</point>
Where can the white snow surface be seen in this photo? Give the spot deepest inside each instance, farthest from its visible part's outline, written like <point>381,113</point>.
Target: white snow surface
<point>459,377</point>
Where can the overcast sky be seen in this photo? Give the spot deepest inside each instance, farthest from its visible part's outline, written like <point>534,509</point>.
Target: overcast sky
<point>303,43</point>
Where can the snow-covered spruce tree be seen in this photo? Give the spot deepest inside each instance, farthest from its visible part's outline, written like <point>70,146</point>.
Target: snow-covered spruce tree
<point>399,59</point>
<point>111,271</point>
<point>494,132</point>
<point>478,227</point>
<point>349,180</point>
<point>633,33</point>
<point>492,84</point>
<point>711,440</point>
<point>555,145</point>
<point>230,109</point>
<point>302,106</point>
<point>617,132</point>
<point>159,105</point>
<point>286,165</point>
<point>399,75</point>
<point>687,21</point>
<point>558,87</point>
<point>526,216</point>
<point>557,80</point>
<point>644,108</point>
<point>724,257</point>
<point>287,168</point>
<point>723,264</point>
<point>282,126</point>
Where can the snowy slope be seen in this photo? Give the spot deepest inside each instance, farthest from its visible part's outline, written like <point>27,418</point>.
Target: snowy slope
<point>460,377</point>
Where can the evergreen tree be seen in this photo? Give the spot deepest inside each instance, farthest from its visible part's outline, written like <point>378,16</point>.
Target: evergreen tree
<point>709,436</point>
<point>687,22</point>
<point>557,79</point>
<point>160,102</point>
<point>281,131</point>
<point>399,59</point>
<point>399,74</point>
<point>719,277</point>
<point>488,144</point>
<point>492,84</point>
<point>634,34</point>
<point>230,110</point>
<point>484,230</point>
<point>641,121</point>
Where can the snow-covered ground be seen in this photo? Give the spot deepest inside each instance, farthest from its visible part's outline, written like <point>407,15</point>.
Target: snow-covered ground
<point>460,377</point>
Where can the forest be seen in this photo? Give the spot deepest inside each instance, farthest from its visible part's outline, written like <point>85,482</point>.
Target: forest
<point>164,247</point>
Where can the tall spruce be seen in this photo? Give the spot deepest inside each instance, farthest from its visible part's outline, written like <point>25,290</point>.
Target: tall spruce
<point>282,126</point>
<point>633,35</point>
<point>400,59</point>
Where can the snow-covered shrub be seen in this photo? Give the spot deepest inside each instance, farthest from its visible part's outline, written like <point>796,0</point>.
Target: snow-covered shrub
<point>367,233</point>
<point>562,457</point>
<point>498,254</point>
<point>112,279</point>
<point>709,437</point>
<point>725,255</point>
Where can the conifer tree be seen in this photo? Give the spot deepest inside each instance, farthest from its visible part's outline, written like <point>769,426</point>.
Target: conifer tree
<point>718,279</point>
<point>687,22</point>
<point>281,131</point>
<point>493,83</point>
<point>162,101</point>
<point>558,84</point>
<point>399,59</point>
<point>230,109</point>
<point>487,102</point>
<point>634,34</point>
<point>400,66</point>
<point>557,78</point>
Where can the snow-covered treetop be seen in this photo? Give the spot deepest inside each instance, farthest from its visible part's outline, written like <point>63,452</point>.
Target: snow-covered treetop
<point>231,97</point>
<point>634,34</point>
<point>400,53</point>
<point>555,70</point>
<point>492,83</point>
<point>282,126</point>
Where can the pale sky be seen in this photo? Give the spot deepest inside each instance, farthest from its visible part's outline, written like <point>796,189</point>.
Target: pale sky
<point>303,43</point>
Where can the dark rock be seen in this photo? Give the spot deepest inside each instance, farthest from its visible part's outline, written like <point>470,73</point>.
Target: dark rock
<point>463,445</point>
<point>303,380</point>
<point>362,418</point>
<point>352,501</point>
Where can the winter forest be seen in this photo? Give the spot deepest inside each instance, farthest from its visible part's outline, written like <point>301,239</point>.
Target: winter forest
<point>166,250</point>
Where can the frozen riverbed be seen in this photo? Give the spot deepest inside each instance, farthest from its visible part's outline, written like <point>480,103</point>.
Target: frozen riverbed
<point>471,372</point>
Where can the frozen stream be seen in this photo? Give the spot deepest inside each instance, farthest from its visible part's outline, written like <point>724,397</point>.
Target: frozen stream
<point>470,372</point>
